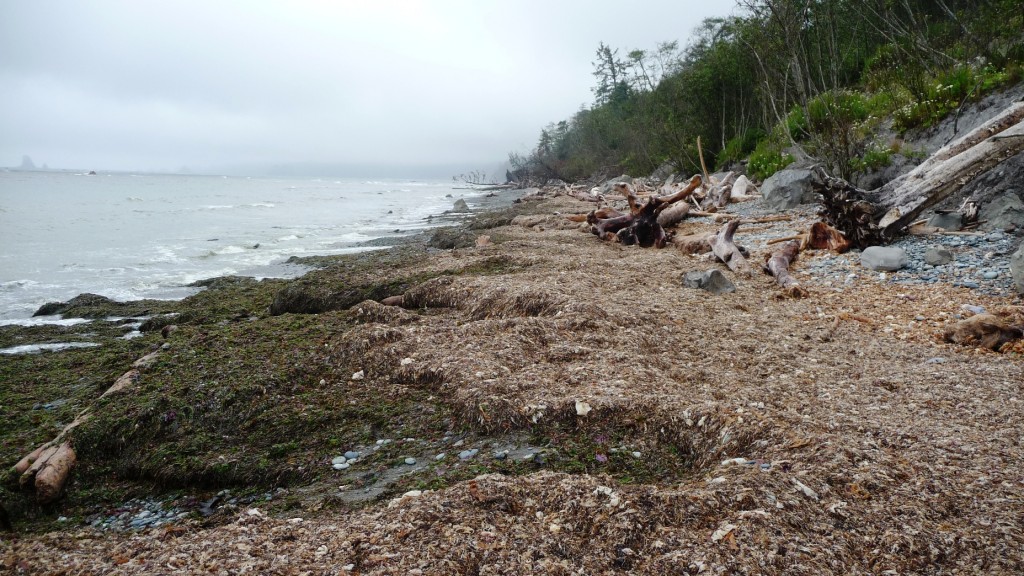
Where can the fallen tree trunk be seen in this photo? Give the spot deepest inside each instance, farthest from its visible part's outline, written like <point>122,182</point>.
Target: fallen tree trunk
<point>725,250</point>
<point>876,217</point>
<point>778,266</point>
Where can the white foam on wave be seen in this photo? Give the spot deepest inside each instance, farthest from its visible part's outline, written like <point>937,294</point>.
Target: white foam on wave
<point>36,348</point>
<point>44,321</point>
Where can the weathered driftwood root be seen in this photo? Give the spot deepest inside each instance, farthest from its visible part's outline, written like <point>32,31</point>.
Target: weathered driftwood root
<point>719,193</point>
<point>824,237</point>
<point>878,216</point>
<point>641,225</point>
<point>725,250</point>
<point>821,236</point>
<point>984,330</point>
<point>778,263</point>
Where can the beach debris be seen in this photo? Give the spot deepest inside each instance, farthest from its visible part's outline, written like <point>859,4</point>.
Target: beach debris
<point>641,225</point>
<point>875,217</point>
<point>983,330</point>
<point>777,264</point>
<point>727,252</point>
<point>722,532</point>
<point>807,491</point>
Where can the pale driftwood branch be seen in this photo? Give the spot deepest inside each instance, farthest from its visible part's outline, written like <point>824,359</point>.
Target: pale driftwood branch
<point>778,266</point>
<point>725,250</point>
<point>720,192</point>
<point>673,214</point>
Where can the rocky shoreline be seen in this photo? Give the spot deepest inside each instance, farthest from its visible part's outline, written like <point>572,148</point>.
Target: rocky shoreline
<point>539,401</point>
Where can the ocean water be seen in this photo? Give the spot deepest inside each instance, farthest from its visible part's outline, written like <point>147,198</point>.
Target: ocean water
<point>130,236</point>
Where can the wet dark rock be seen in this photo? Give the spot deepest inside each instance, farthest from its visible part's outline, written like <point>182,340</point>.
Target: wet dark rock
<point>95,306</point>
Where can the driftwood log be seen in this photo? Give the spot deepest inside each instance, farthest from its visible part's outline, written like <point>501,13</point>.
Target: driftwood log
<point>725,250</point>
<point>641,225</point>
<point>694,243</point>
<point>48,471</point>
<point>876,217</point>
<point>778,263</point>
<point>47,468</point>
<point>673,215</point>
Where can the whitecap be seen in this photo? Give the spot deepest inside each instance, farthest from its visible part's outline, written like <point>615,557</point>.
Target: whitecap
<point>56,347</point>
<point>44,321</point>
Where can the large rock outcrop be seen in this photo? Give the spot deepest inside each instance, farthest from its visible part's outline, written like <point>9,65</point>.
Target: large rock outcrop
<point>789,188</point>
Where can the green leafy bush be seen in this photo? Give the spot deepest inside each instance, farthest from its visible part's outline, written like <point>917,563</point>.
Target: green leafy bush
<point>875,157</point>
<point>738,148</point>
<point>767,159</point>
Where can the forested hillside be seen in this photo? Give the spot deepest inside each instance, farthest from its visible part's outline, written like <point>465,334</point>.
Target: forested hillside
<point>778,79</point>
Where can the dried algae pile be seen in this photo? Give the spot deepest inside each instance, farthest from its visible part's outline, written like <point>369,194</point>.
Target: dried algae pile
<point>835,433</point>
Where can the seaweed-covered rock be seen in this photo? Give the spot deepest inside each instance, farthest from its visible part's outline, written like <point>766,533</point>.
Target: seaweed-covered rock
<point>301,298</point>
<point>449,238</point>
<point>96,306</point>
<point>221,282</point>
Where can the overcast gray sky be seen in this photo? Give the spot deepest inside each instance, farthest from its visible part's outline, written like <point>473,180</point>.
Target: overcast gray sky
<point>208,84</point>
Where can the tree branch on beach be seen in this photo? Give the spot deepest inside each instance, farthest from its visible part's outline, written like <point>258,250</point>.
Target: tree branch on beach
<point>877,216</point>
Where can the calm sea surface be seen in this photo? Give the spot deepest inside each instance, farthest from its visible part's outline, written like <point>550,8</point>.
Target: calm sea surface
<point>131,236</point>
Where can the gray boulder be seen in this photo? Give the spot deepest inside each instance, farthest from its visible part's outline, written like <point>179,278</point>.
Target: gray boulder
<point>946,220</point>
<point>1004,212</point>
<point>711,280</point>
<point>789,188</point>
<point>883,258</point>
<point>460,206</point>
<point>1017,269</point>
<point>938,256</point>
<point>606,187</point>
<point>663,172</point>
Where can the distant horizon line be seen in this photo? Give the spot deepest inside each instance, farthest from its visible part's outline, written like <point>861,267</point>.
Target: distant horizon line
<point>310,170</point>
